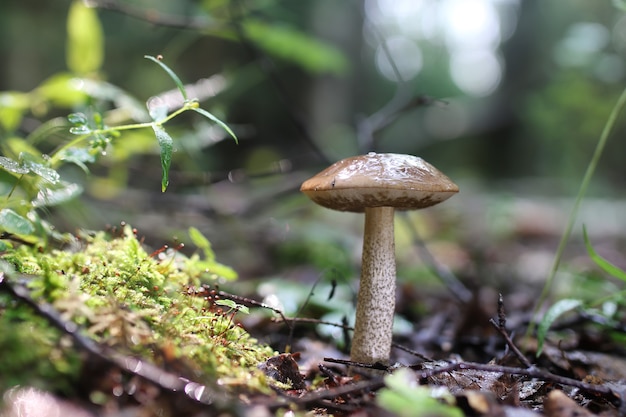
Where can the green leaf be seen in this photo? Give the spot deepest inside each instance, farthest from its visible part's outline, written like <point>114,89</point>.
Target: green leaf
<point>558,309</point>
<point>80,130</point>
<point>203,243</point>
<point>13,105</point>
<point>606,266</point>
<point>233,305</point>
<point>221,270</point>
<point>405,398</point>
<point>29,164</point>
<point>198,238</point>
<point>226,303</point>
<point>62,90</point>
<point>209,264</point>
<point>216,120</point>
<point>78,156</point>
<point>85,40</point>
<point>293,45</point>
<point>48,174</point>
<point>166,145</point>
<point>13,166</point>
<point>12,222</point>
<point>171,73</point>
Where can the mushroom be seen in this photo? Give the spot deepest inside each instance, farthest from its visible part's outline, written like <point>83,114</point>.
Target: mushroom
<point>377,183</point>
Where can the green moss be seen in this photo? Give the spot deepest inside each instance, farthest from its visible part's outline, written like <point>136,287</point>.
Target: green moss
<point>122,296</point>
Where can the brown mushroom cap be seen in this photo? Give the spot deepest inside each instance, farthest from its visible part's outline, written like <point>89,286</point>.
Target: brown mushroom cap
<point>404,182</point>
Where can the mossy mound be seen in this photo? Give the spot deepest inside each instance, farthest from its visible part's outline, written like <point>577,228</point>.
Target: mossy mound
<point>150,306</point>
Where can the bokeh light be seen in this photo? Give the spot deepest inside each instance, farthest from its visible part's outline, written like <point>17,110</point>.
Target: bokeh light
<point>405,54</point>
<point>471,33</point>
<point>476,72</point>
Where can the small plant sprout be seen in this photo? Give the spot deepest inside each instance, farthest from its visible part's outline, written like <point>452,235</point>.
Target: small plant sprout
<point>378,184</point>
<point>33,179</point>
<point>233,306</point>
<point>566,305</point>
<point>100,135</point>
<point>233,309</point>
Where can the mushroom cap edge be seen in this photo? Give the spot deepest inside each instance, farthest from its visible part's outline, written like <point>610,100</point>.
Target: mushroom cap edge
<point>404,182</point>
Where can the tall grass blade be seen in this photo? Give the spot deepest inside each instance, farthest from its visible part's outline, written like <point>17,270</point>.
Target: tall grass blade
<point>584,185</point>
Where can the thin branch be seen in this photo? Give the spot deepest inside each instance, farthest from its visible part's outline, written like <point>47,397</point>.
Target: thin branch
<point>531,372</point>
<point>251,302</point>
<point>377,366</point>
<point>412,352</point>
<point>157,18</point>
<point>500,326</point>
<point>315,397</point>
<point>315,321</point>
<point>401,102</point>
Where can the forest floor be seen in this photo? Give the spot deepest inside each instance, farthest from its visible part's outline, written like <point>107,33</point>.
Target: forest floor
<point>464,343</point>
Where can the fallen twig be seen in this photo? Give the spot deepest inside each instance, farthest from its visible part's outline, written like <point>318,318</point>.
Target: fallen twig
<point>605,391</point>
<point>317,396</point>
<point>532,372</point>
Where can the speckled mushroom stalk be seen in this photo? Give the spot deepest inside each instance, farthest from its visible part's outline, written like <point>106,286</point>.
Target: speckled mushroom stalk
<point>378,184</point>
<point>377,290</point>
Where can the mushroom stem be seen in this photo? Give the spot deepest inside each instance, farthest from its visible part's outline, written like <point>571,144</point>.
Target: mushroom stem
<point>376,301</point>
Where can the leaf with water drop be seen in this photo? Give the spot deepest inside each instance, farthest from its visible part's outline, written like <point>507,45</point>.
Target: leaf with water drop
<point>12,165</point>
<point>157,108</point>
<point>80,130</point>
<point>77,119</point>
<point>38,168</point>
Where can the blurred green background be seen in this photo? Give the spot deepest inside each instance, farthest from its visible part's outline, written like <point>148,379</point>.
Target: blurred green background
<point>507,97</point>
